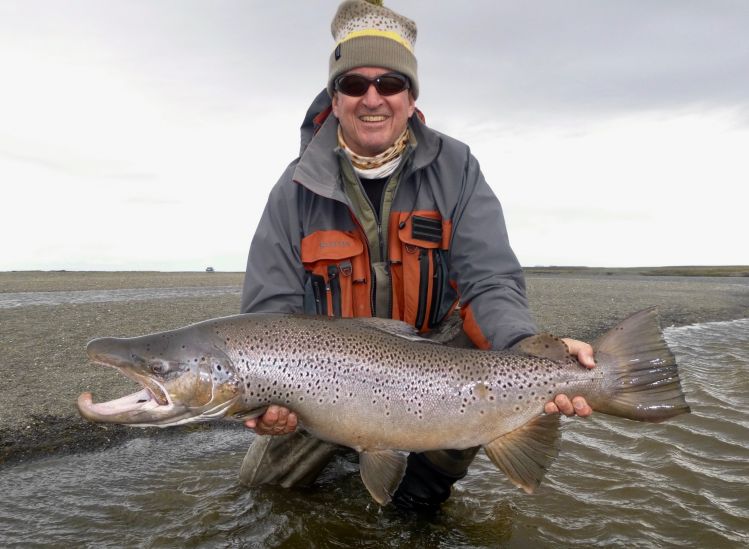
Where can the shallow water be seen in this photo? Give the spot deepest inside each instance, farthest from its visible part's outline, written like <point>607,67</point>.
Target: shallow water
<point>24,299</point>
<point>616,483</point>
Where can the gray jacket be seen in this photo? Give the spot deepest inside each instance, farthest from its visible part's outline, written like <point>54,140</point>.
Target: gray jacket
<point>441,240</point>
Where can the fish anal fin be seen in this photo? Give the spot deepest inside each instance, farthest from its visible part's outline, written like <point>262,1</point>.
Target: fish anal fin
<point>526,453</point>
<point>382,472</point>
<point>543,345</point>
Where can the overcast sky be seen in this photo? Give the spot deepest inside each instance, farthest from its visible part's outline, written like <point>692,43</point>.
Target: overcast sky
<point>146,134</point>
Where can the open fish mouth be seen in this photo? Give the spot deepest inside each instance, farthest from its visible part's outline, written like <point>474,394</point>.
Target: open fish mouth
<point>151,401</point>
<point>141,400</point>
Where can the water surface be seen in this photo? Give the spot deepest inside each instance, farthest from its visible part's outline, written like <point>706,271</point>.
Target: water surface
<point>24,299</point>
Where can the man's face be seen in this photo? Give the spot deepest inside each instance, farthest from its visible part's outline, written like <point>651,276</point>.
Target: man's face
<point>371,123</point>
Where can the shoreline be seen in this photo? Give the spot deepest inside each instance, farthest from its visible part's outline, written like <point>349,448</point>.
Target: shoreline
<point>42,346</point>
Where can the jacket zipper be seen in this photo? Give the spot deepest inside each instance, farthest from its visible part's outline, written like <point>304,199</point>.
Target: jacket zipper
<point>382,245</point>
<point>437,290</point>
<point>423,287</point>
<point>318,289</point>
<point>335,289</point>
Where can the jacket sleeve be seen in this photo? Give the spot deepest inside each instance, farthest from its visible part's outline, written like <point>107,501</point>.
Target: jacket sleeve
<point>274,279</point>
<point>489,278</point>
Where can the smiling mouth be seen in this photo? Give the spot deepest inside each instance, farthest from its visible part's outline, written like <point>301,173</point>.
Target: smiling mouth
<point>373,118</point>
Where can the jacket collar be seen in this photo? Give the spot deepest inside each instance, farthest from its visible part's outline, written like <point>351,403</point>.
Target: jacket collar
<point>318,167</point>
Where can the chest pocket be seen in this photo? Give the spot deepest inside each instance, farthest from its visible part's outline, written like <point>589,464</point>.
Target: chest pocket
<point>337,275</point>
<point>417,250</point>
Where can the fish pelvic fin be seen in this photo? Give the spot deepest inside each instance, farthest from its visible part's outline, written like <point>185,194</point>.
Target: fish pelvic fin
<point>382,472</point>
<point>640,376</point>
<point>526,453</point>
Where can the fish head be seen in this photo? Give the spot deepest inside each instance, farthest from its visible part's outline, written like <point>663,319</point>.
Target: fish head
<point>184,379</point>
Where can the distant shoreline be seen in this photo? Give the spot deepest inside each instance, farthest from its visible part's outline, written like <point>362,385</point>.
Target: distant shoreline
<point>45,367</point>
<point>685,270</point>
<point>62,279</point>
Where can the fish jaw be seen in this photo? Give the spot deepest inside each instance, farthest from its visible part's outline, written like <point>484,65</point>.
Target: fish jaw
<point>139,408</point>
<point>175,390</point>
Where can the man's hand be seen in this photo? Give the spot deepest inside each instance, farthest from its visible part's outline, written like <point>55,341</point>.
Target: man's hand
<point>276,420</point>
<point>577,405</point>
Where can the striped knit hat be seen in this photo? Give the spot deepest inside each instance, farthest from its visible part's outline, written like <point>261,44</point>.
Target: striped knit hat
<point>368,34</point>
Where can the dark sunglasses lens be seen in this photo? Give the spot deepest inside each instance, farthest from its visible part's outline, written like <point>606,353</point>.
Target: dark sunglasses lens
<point>353,84</point>
<point>390,84</point>
<point>357,85</point>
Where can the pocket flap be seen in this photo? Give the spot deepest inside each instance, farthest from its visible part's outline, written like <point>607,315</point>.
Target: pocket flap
<point>422,229</point>
<point>330,245</point>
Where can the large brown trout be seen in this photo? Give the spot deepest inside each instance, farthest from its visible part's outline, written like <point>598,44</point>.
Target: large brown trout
<point>377,387</point>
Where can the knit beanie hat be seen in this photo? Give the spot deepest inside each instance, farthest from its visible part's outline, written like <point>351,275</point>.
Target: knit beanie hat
<point>368,34</point>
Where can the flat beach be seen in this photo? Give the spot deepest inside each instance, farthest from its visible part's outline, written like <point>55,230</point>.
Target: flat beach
<point>43,366</point>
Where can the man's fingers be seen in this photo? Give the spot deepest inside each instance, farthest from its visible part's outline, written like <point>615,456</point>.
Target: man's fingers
<point>271,416</point>
<point>276,420</point>
<point>562,404</point>
<point>583,351</point>
<point>581,407</point>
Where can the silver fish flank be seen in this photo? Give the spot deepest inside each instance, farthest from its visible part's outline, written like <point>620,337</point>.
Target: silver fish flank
<point>377,387</point>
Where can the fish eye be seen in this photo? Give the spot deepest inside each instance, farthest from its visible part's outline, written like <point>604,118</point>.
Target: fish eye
<point>159,368</point>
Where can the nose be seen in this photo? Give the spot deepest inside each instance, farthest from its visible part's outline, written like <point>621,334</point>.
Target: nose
<point>372,99</point>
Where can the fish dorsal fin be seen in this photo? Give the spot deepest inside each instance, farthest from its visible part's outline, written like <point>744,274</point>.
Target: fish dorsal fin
<point>543,345</point>
<point>394,327</point>
<point>382,472</point>
<point>525,453</point>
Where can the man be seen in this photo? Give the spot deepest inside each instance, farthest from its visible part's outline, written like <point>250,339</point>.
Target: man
<point>383,216</point>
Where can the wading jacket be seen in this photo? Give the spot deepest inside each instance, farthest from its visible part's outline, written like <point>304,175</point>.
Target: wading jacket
<point>440,240</point>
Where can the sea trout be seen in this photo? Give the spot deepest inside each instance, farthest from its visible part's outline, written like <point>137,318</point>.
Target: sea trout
<point>375,386</point>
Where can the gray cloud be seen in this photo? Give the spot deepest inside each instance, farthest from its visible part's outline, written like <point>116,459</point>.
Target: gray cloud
<point>591,57</point>
<point>536,58</point>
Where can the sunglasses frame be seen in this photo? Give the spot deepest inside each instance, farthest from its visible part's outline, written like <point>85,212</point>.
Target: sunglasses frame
<point>376,82</point>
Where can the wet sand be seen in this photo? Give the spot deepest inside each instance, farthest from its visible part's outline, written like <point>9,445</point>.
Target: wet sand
<point>43,367</point>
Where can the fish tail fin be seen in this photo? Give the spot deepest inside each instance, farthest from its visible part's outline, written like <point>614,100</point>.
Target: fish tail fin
<point>640,375</point>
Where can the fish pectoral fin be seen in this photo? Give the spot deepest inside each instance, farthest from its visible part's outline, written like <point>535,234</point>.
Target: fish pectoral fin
<point>525,454</point>
<point>242,415</point>
<point>543,345</point>
<point>382,472</point>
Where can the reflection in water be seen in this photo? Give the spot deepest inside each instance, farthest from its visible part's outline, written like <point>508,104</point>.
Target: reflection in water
<point>616,483</point>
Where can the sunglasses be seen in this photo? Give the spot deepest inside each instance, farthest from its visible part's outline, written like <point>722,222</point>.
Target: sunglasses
<point>357,85</point>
